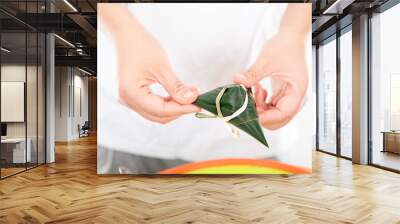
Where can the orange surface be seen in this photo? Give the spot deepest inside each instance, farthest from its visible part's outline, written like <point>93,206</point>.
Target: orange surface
<point>256,163</point>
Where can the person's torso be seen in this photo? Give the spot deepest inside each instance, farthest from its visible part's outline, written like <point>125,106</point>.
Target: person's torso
<point>207,44</point>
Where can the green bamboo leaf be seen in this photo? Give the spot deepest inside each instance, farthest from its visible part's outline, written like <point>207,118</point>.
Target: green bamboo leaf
<point>231,100</point>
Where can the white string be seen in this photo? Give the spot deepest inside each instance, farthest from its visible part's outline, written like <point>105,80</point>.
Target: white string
<point>234,130</point>
<point>237,112</point>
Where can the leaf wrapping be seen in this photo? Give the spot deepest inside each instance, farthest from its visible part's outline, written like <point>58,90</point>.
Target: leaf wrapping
<point>231,101</point>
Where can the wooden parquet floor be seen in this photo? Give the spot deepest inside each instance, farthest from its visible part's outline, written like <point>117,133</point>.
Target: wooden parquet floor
<point>70,191</point>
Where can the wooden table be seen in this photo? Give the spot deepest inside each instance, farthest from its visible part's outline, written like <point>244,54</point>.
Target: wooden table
<point>13,150</point>
<point>391,141</point>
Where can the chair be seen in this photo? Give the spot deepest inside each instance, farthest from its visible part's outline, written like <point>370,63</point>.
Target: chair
<point>84,130</point>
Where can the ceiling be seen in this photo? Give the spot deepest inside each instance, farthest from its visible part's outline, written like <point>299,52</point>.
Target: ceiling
<point>75,21</point>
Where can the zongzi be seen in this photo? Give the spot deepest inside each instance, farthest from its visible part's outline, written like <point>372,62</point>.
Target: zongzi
<point>235,105</point>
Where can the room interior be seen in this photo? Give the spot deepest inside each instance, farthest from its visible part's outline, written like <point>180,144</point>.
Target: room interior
<point>49,113</point>
<point>22,102</point>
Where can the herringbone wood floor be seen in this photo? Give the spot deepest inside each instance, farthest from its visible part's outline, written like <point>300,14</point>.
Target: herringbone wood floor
<point>69,191</point>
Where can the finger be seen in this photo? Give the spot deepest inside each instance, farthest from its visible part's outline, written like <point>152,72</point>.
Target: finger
<point>258,71</point>
<point>161,120</point>
<point>241,79</point>
<point>181,93</point>
<point>272,118</point>
<point>276,98</point>
<point>161,107</point>
<point>276,116</point>
<point>193,88</point>
<point>260,97</point>
<point>169,98</point>
<point>131,103</point>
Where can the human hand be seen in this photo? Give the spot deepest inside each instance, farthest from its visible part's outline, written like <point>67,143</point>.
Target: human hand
<point>141,63</point>
<point>283,60</point>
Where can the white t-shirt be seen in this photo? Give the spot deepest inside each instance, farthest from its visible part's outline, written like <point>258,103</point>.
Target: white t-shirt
<point>207,44</point>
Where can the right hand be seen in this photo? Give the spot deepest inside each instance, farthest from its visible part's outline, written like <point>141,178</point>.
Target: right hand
<point>282,59</point>
<point>141,63</point>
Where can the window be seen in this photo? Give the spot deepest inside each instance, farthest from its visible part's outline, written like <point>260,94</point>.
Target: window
<point>327,97</point>
<point>346,93</point>
<point>394,102</point>
<point>385,89</point>
<point>22,88</point>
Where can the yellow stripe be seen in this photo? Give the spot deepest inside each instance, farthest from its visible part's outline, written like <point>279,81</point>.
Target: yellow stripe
<point>238,169</point>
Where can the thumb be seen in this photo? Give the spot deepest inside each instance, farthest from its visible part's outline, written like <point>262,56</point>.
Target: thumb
<point>179,92</point>
<point>252,76</point>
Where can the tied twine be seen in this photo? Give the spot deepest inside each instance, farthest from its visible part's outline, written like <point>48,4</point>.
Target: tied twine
<point>226,119</point>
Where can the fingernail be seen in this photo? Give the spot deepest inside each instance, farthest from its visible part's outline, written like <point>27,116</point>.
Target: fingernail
<point>188,93</point>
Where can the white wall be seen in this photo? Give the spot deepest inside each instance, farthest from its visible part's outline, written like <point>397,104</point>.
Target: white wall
<point>33,127</point>
<point>70,83</point>
<point>81,83</point>
<point>50,94</point>
<point>62,81</point>
<point>12,73</point>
